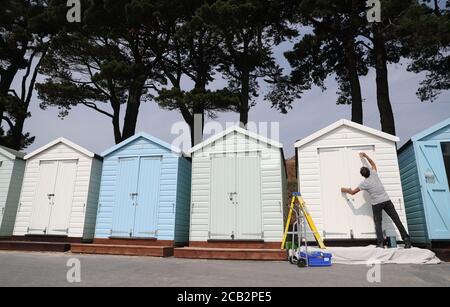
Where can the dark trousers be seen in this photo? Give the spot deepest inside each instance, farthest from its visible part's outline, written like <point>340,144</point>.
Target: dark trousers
<point>389,208</point>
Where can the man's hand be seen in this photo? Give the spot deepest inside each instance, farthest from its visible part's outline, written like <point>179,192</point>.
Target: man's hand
<point>345,190</point>
<point>363,155</point>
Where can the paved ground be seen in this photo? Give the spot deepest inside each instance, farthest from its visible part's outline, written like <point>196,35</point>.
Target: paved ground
<point>34,269</point>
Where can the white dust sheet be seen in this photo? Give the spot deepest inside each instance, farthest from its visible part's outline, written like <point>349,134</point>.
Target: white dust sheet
<point>371,254</point>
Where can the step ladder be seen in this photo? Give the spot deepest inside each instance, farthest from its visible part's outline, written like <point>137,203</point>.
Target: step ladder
<point>297,199</point>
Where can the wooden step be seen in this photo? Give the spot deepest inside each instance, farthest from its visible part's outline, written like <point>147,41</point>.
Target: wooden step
<point>231,254</point>
<point>123,250</point>
<point>25,246</point>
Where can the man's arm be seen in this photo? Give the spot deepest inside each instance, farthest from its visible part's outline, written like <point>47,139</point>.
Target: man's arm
<point>371,162</point>
<point>351,191</point>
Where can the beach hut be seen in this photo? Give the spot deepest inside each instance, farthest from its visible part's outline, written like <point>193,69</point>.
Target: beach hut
<point>238,191</point>
<point>145,194</point>
<point>59,193</point>
<point>328,160</point>
<point>12,167</point>
<point>425,169</point>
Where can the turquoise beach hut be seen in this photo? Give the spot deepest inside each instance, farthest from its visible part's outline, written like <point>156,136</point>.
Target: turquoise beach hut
<point>425,170</point>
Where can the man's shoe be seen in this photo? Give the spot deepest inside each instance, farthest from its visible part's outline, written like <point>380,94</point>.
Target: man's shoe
<point>380,246</point>
<point>408,244</point>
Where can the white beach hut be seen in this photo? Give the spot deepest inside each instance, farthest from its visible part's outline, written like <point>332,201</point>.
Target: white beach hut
<point>60,192</point>
<point>329,160</point>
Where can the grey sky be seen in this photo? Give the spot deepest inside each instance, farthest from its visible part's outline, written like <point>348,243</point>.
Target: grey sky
<point>316,110</point>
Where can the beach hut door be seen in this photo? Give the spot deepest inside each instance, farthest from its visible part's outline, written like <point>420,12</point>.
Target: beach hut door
<point>124,209</point>
<point>344,216</point>
<point>145,225</point>
<point>53,199</point>
<point>249,217</point>
<point>223,199</point>
<point>62,198</point>
<point>336,210</point>
<point>43,197</point>
<point>362,212</point>
<point>236,199</point>
<point>137,201</point>
<point>436,189</point>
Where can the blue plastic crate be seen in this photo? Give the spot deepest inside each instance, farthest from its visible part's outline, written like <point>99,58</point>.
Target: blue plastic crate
<point>319,259</point>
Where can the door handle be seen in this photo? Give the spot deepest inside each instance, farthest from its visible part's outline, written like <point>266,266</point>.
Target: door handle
<point>231,196</point>
<point>3,211</point>
<point>50,195</point>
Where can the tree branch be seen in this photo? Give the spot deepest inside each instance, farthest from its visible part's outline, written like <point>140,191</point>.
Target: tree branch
<point>27,74</point>
<point>9,122</point>
<point>33,79</point>
<point>365,45</point>
<point>93,106</point>
<point>13,91</point>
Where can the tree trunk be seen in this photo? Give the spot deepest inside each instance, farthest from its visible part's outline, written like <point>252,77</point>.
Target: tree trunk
<point>382,80</point>
<point>437,9</point>
<point>352,67</point>
<point>198,108</point>
<point>17,132</point>
<point>132,113</point>
<point>116,123</point>
<point>244,107</point>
